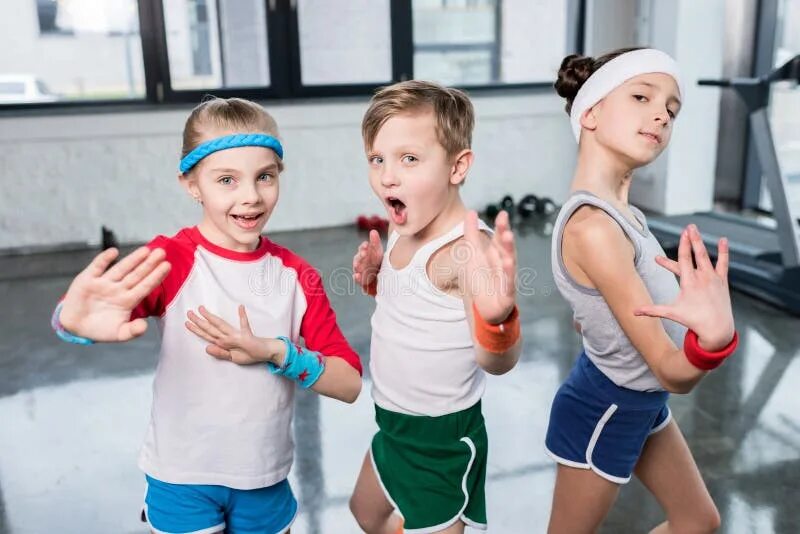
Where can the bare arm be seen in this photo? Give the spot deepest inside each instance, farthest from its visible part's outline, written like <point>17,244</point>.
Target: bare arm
<point>599,248</point>
<point>488,285</point>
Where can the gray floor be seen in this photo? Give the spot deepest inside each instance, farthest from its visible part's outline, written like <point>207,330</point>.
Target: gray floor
<point>72,418</point>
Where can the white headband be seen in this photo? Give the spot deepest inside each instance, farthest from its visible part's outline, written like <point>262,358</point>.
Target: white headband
<point>616,72</point>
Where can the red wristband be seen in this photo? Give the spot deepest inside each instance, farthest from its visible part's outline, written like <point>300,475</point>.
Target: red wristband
<point>703,359</point>
<point>497,337</point>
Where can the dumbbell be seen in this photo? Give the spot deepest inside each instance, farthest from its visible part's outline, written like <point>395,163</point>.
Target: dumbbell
<point>532,205</point>
<point>507,204</point>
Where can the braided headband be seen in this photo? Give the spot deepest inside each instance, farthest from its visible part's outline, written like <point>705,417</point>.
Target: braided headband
<point>616,72</point>
<point>229,141</point>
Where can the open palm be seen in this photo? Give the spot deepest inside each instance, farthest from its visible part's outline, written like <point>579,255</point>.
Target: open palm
<point>491,268</point>
<point>99,302</point>
<point>704,302</point>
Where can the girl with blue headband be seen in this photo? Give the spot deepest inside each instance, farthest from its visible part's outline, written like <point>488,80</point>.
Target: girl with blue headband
<point>645,335</point>
<point>218,448</point>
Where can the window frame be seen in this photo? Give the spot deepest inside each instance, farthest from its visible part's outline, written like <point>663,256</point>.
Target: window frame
<point>285,73</point>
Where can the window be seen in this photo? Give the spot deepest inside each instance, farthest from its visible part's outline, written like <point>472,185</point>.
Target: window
<point>87,50</point>
<point>344,42</point>
<point>488,42</point>
<point>216,44</point>
<point>179,50</point>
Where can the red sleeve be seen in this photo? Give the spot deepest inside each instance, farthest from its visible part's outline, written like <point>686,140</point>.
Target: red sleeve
<point>153,304</point>
<point>180,255</point>
<point>319,327</point>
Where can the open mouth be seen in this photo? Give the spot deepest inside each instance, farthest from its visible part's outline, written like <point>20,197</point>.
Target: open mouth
<point>397,210</point>
<point>247,222</point>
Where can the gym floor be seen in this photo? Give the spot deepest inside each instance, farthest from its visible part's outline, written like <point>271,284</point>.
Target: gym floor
<point>72,418</point>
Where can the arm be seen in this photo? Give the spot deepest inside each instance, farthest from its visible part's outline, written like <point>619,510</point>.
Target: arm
<point>341,375</point>
<point>488,288</point>
<point>601,251</point>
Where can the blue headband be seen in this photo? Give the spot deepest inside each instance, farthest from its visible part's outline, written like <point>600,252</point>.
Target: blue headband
<point>229,141</point>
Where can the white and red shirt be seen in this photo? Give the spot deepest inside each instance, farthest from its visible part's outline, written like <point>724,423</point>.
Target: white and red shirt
<point>213,421</point>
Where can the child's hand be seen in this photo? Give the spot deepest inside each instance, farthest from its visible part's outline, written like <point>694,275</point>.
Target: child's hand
<point>239,346</point>
<point>99,302</point>
<point>491,268</point>
<point>367,261</point>
<point>704,303</point>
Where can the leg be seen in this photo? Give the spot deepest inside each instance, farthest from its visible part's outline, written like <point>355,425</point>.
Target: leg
<point>581,500</point>
<point>373,512</point>
<point>667,469</point>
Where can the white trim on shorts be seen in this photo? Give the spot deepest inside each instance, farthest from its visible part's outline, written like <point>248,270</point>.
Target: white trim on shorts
<point>209,530</point>
<point>663,423</point>
<point>593,442</point>
<point>598,429</point>
<point>459,516</point>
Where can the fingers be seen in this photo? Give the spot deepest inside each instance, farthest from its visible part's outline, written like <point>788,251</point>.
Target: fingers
<point>360,256</point>
<point>374,239</point>
<point>685,256</point>
<point>504,240</point>
<point>132,329</point>
<point>501,222</point>
<point>699,249</point>
<point>218,352</point>
<point>199,331</point>
<point>216,322</point>
<point>129,263</point>
<point>471,232</point>
<point>668,264</point>
<point>723,256</point>
<point>101,262</point>
<point>202,323</point>
<point>661,311</point>
<point>244,322</point>
<point>150,282</point>
<point>152,261</point>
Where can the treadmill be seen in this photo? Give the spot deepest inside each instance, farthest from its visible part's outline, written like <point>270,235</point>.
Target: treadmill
<point>764,261</point>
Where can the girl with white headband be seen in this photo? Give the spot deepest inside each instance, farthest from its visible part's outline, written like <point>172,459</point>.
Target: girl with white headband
<point>219,448</point>
<point>644,335</point>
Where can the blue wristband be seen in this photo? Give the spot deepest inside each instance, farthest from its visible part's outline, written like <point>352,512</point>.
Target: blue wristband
<point>303,366</point>
<point>62,333</point>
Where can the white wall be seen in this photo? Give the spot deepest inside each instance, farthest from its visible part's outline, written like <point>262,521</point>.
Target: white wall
<point>65,176</point>
<point>682,179</point>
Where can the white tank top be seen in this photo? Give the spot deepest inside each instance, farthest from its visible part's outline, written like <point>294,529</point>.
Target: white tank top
<point>422,357</point>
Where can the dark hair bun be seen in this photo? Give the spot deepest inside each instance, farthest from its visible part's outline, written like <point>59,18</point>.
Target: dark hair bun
<point>575,70</point>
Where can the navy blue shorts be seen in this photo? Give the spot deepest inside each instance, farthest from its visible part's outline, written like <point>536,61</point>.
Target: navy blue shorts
<point>597,425</point>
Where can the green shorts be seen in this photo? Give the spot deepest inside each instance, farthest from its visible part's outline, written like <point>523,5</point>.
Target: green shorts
<point>433,469</point>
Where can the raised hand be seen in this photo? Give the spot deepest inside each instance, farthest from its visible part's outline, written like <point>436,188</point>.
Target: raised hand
<point>491,268</point>
<point>227,343</point>
<point>704,302</point>
<point>367,261</point>
<point>99,301</point>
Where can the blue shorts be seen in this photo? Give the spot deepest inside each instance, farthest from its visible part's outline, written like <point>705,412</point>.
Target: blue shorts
<point>199,508</point>
<point>597,425</point>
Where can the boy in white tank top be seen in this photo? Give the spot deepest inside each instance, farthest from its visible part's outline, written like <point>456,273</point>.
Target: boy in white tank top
<point>445,314</point>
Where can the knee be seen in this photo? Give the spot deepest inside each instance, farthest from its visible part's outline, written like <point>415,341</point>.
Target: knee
<point>705,521</point>
<point>366,520</point>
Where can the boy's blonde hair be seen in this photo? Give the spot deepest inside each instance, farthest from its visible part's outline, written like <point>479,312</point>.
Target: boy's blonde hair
<point>455,116</point>
<point>235,114</point>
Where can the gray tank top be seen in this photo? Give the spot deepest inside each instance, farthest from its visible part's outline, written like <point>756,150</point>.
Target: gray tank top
<point>604,341</point>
